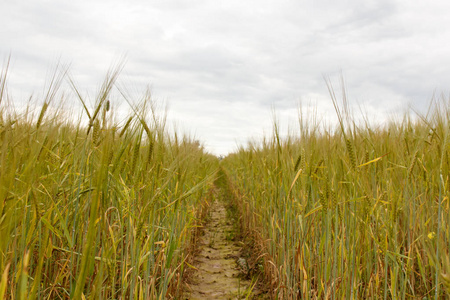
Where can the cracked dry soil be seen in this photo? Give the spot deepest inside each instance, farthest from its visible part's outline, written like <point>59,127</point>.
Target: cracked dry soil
<point>218,274</point>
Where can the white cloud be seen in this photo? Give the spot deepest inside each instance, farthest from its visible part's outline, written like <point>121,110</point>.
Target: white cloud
<point>223,65</point>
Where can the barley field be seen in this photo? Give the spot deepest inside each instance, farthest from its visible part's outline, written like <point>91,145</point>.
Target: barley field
<point>95,208</point>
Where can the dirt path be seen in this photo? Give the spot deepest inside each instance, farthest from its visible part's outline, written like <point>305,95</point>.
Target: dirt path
<point>218,275</point>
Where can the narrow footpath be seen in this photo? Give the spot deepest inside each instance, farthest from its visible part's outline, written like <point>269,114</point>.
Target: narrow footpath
<point>219,267</point>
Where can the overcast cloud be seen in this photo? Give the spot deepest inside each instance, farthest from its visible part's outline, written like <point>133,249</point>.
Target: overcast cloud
<point>222,65</point>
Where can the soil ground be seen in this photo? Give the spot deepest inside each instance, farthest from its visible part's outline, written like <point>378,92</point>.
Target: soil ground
<point>220,269</point>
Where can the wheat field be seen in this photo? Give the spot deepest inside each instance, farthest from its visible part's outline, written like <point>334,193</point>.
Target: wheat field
<point>95,208</point>
<point>99,211</point>
<point>352,212</point>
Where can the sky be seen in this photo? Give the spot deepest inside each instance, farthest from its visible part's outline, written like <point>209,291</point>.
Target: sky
<point>225,68</point>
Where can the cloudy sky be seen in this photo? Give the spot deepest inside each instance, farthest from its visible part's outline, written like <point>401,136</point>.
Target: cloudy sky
<point>221,66</point>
